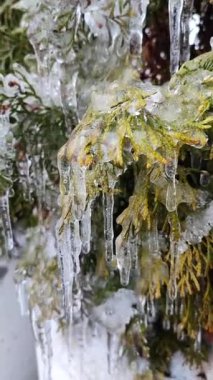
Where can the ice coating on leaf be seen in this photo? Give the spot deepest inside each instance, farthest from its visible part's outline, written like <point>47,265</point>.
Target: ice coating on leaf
<point>5,217</point>
<point>185,30</point>
<point>123,258</point>
<point>175,12</point>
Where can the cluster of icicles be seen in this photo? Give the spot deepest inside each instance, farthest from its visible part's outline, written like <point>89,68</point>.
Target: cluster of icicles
<point>74,239</point>
<point>180,12</point>
<point>76,236</point>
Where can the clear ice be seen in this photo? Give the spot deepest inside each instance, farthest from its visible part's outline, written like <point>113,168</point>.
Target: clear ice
<point>23,166</point>
<point>86,228</point>
<point>175,12</point>
<point>170,171</point>
<point>123,257</point>
<point>139,7</point>
<point>64,250</point>
<point>108,206</point>
<point>6,222</point>
<point>185,30</point>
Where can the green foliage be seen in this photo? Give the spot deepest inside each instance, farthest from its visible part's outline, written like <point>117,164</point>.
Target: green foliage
<point>14,44</point>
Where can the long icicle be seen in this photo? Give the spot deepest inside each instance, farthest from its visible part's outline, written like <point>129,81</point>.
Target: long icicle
<point>123,257</point>
<point>5,216</point>
<point>175,11</point>
<point>108,206</point>
<point>170,170</point>
<point>67,268</point>
<point>86,228</point>
<point>185,30</point>
<point>174,238</point>
<point>139,7</point>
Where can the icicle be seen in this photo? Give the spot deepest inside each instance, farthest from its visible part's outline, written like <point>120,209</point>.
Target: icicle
<point>166,324</point>
<point>40,177</point>
<point>185,29</point>
<point>46,347</point>
<point>150,308</point>
<point>169,306</point>
<point>174,238</point>
<point>23,166</point>
<point>108,205</point>
<point>123,259</point>
<point>23,297</point>
<point>68,83</point>
<point>139,8</point>
<point>171,200</point>
<point>64,250</point>
<point>198,340</point>
<point>75,245</point>
<point>113,349</point>
<point>49,347</point>
<point>170,170</point>
<point>153,240</point>
<point>42,333</point>
<point>5,216</point>
<point>133,246</point>
<point>86,229</point>
<point>175,11</point>
<point>77,297</point>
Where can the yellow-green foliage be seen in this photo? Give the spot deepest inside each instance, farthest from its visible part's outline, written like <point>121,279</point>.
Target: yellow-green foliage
<point>131,127</point>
